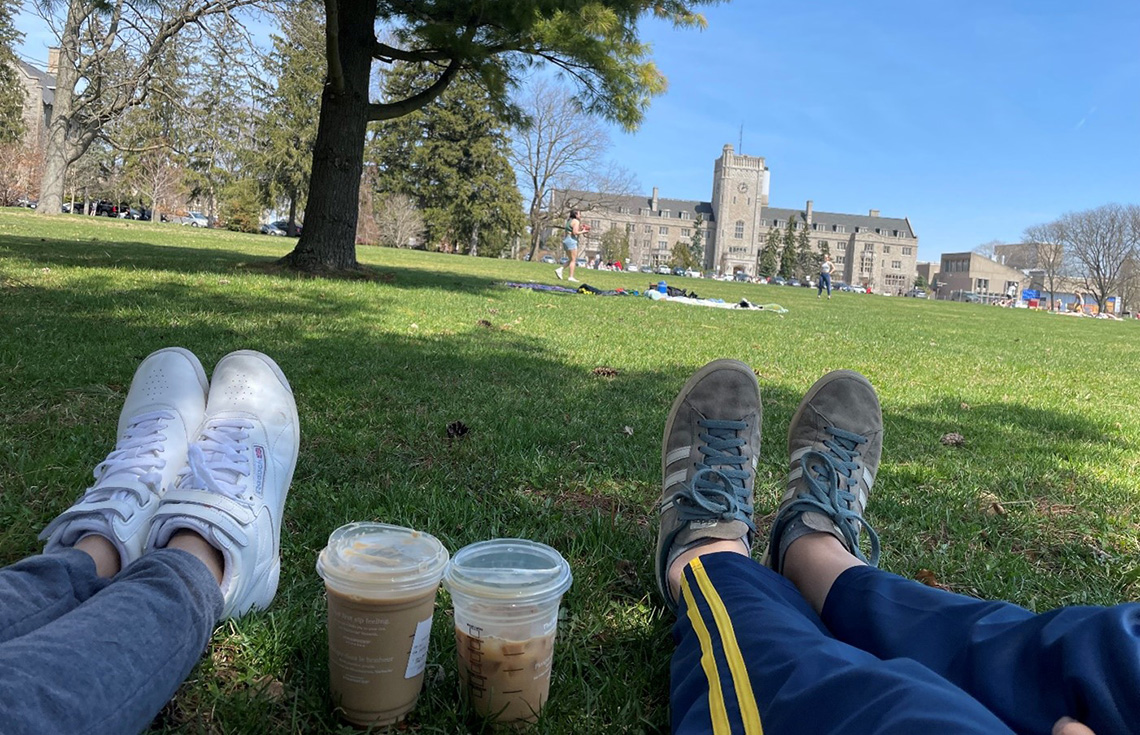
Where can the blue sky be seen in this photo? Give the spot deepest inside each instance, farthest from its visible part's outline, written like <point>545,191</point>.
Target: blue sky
<point>973,119</point>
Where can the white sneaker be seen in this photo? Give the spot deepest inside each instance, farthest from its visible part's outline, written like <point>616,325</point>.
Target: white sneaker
<point>558,272</point>
<point>572,280</point>
<point>232,491</point>
<point>163,409</point>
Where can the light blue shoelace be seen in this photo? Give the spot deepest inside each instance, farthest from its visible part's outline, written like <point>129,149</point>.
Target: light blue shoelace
<point>830,477</point>
<point>718,490</point>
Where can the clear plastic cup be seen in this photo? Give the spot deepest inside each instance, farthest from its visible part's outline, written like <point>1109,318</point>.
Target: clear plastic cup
<point>381,582</point>
<point>506,594</point>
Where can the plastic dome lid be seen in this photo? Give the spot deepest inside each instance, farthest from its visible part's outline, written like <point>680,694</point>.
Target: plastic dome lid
<point>379,560</point>
<point>508,570</point>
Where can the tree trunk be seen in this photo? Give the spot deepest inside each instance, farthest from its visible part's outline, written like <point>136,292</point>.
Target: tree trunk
<point>328,240</point>
<point>59,151</point>
<point>291,227</point>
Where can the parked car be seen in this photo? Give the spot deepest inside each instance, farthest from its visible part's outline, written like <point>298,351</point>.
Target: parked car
<point>283,225</point>
<point>26,201</point>
<point>143,215</point>
<point>563,260</point>
<point>271,228</point>
<point>196,219</point>
<point>548,259</point>
<point>740,276</point>
<point>580,262</point>
<point>664,270</point>
<point>841,286</point>
<point>793,282</point>
<point>632,268</point>
<point>916,293</point>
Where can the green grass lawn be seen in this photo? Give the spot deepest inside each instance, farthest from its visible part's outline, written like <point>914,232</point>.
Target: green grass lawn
<point>1039,506</point>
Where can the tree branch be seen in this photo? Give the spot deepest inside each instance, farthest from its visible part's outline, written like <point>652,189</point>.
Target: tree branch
<point>387,111</point>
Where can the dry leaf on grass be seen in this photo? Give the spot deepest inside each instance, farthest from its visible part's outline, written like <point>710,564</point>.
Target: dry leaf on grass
<point>603,371</point>
<point>483,323</point>
<point>991,505</point>
<point>627,430</point>
<point>929,579</point>
<point>457,430</point>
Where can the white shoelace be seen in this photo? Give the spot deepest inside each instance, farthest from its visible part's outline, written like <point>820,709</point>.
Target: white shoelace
<point>138,453</point>
<point>219,459</point>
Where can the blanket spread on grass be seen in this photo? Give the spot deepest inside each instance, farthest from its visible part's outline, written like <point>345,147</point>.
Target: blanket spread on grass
<point>655,295</point>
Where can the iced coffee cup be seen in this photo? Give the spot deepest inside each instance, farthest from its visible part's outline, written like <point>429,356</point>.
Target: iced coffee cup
<point>506,594</point>
<point>381,582</point>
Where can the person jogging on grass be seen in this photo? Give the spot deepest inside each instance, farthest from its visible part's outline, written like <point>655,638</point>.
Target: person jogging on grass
<point>814,638</point>
<point>574,231</point>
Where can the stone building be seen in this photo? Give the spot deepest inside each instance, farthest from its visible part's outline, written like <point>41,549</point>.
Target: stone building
<point>868,250</point>
<point>39,96</point>
<point>974,277</point>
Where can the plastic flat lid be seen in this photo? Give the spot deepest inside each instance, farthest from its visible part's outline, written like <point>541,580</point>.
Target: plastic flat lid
<point>508,569</point>
<point>373,559</point>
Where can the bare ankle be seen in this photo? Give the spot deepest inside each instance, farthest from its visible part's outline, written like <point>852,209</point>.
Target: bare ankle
<point>193,543</point>
<point>673,575</point>
<point>813,562</point>
<point>105,554</point>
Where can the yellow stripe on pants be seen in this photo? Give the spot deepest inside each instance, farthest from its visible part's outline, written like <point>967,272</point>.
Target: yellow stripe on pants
<point>717,709</point>
<point>746,700</point>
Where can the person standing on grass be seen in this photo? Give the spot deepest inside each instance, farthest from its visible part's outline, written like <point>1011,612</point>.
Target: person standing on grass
<point>825,267</point>
<point>814,638</point>
<point>181,530</point>
<point>574,231</point>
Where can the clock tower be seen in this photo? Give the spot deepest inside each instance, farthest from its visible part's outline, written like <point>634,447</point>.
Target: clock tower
<point>740,192</point>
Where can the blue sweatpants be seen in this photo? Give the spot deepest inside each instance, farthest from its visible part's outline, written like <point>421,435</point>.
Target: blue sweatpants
<point>84,654</point>
<point>889,655</point>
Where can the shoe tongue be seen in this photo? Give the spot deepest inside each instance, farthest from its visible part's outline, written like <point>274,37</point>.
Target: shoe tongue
<point>696,530</point>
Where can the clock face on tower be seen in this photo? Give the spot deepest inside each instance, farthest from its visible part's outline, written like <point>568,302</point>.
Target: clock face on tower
<point>743,187</point>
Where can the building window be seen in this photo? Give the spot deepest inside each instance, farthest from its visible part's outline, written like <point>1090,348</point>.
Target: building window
<point>664,213</point>
<point>886,248</point>
<point>868,247</point>
<point>823,244</point>
<point>663,230</point>
<point>686,232</point>
<point>898,233</point>
<point>595,224</point>
<point>983,285</point>
<point>686,215</point>
<point>630,227</point>
<point>644,211</point>
<point>739,232</point>
<point>896,264</point>
<point>763,223</point>
<point>839,228</point>
<point>623,210</point>
<point>908,250</point>
<point>662,245</point>
<point>649,229</point>
<point>858,229</point>
<point>839,259</point>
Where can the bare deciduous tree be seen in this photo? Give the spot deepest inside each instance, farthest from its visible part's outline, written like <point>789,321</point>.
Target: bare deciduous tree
<point>988,249</point>
<point>562,149</point>
<point>1046,239</point>
<point>109,52</point>
<point>400,221</point>
<point>1101,240</point>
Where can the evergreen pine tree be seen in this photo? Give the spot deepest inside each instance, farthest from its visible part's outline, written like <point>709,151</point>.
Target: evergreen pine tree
<point>11,90</point>
<point>287,127</point>
<point>451,158</point>
<point>788,256</point>
<point>769,256</point>
<point>806,260</point>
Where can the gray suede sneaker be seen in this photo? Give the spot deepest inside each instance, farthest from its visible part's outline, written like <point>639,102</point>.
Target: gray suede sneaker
<point>708,463</point>
<point>834,442</point>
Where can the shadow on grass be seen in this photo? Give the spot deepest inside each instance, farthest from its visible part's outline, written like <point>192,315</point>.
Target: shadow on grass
<point>101,253</point>
<point>547,457</point>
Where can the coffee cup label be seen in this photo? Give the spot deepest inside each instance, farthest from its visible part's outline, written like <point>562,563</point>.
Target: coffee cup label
<point>417,658</point>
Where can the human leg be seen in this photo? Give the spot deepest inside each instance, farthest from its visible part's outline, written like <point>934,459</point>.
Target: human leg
<point>112,662</point>
<point>750,650</point>
<point>104,530</point>
<point>1028,670</point>
<point>753,657</point>
<point>1081,662</point>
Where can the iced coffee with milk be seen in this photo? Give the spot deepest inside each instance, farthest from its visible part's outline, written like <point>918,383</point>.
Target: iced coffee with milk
<point>506,594</point>
<point>381,584</point>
